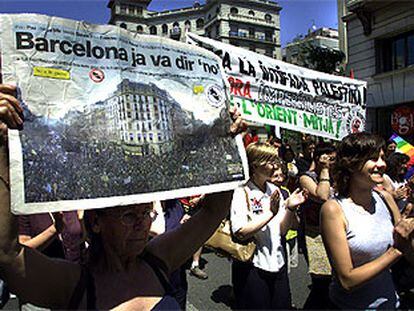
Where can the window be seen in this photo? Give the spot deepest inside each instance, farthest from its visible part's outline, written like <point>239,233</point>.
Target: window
<point>123,25</point>
<point>252,32</point>
<point>268,17</point>
<point>131,10</point>
<point>176,28</point>
<point>187,25</point>
<point>251,13</point>
<point>123,9</point>
<point>140,29</point>
<point>153,30</point>
<point>234,30</point>
<point>395,53</point>
<point>200,23</point>
<point>164,28</point>
<point>234,10</point>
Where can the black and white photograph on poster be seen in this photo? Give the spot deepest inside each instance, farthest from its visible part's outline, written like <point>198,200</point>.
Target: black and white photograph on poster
<point>113,118</point>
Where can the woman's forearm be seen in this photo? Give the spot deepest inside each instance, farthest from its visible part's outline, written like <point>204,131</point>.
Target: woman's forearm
<point>356,277</point>
<point>323,188</point>
<point>9,245</point>
<point>193,233</point>
<point>247,231</point>
<point>42,240</point>
<point>290,221</point>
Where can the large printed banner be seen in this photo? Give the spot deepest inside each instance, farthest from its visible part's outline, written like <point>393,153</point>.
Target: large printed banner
<point>273,92</point>
<point>112,117</point>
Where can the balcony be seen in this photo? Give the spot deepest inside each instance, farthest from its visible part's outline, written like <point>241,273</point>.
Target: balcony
<point>251,20</point>
<point>175,33</point>
<point>252,37</point>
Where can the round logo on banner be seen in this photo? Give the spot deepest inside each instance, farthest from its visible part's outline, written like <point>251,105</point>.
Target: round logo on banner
<point>355,122</point>
<point>402,120</point>
<point>215,95</point>
<point>96,75</point>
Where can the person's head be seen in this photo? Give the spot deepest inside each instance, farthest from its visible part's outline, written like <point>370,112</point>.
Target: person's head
<point>391,146</point>
<point>360,157</point>
<point>275,142</point>
<point>263,159</point>
<point>308,147</point>
<point>279,173</point>
<point>288,155</point>
<point>324,148</point>
<point>397,165</point>
<point>122,231</point>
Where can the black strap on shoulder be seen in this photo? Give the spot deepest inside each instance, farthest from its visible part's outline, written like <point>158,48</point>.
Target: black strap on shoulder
<point>85,285</point>
<point>160,269</point>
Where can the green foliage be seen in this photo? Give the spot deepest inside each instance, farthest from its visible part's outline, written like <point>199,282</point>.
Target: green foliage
<point>321,58</point>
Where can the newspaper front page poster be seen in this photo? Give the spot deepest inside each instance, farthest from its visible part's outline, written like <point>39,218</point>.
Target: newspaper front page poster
<point>112,117</point>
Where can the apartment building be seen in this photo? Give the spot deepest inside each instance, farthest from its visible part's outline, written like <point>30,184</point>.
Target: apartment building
<point>250,24</point>
<point>380,44</point>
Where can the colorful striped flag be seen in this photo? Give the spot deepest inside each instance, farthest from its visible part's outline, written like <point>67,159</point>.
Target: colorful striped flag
<point>405,147</point>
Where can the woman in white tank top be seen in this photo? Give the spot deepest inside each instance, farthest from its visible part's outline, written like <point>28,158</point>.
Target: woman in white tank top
<point>358,228</point>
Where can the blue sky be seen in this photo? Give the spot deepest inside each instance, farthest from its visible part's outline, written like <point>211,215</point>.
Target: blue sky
<point>297,16</point>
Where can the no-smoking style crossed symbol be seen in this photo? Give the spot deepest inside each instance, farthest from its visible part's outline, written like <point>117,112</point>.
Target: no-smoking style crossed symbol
<point>96,75</point>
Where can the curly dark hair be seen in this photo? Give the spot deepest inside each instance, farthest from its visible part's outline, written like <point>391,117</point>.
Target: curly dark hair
<point>352,153</point>
<point>394,162</point>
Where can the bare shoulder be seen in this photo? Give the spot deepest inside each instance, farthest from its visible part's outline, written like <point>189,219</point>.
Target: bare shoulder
<point>305,179</point>
<point>331,208</point>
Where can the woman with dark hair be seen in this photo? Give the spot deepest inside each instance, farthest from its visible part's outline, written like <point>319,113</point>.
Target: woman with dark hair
<point>318,182</point>
<point>394,179</point>
<point>358,228</point>
<point>123,270</point>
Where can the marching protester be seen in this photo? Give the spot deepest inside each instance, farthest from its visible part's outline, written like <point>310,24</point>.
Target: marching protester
<point>390,148</point>
<point>394,178</point>
<point>362,228</point>
<point>259,212</point>
<point>279,179</point>
<point>123,270</point>
<point>318,182</point>
<point>169,215</point>
<point>57,235</point>
<point>191,206</point>
<point>305,159</point>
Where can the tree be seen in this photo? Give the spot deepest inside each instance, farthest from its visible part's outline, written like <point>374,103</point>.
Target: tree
<point>320,58</point>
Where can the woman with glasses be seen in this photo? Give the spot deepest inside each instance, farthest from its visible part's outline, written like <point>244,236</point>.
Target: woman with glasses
<point>259,212</point>
<point>123,270</point>
<point>362,228</point>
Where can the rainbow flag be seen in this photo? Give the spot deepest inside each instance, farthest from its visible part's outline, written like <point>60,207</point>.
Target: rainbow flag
<point>405,147</point>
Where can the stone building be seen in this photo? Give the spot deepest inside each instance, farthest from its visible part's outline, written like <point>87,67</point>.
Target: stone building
<point>380,40</point>
<point>251,24</point>
<point>140,117</point>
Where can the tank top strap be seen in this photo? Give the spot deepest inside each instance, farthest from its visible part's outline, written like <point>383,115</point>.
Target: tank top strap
<point>160,269</point>
<point>86,286</point>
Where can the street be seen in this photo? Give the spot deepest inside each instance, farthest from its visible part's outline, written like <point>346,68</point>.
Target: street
<point>215,292</point>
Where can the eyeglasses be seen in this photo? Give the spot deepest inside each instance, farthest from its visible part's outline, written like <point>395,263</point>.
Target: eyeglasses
<point>130,218</point>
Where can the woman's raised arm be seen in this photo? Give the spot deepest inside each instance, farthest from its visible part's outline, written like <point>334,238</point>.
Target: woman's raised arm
<point>32,276</point>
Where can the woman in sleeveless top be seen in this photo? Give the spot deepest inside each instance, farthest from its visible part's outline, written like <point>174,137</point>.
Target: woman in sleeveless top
<point>357,228</point>
<point>319,183</point>
<point>123,270</point>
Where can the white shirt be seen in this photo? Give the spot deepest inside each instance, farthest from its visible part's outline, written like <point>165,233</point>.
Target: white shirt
<point>269,255</point>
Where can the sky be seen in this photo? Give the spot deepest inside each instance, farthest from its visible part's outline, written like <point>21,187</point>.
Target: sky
<point>297,16</point>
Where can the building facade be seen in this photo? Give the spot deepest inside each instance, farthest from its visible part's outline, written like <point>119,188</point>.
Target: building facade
<point>140,116</point>
<point>380,37</point>
<point>322,37</point>
<point>250,24</point>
